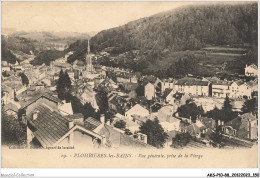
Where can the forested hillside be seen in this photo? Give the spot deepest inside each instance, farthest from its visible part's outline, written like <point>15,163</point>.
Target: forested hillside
<point>162,37</point>
<point>186,28</point>
<point>6,54</point>
<point>45,46</point>
<point>45,57</point>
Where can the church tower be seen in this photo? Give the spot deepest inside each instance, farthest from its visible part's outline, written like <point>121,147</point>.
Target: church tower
<point>89,60</point>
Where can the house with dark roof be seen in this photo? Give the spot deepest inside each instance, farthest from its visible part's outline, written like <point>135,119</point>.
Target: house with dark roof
<point>244,127</point>
<point>193,86</point>
<point>115,137</point>
<point>251,70</point>
<point>123,79</point>
<point>220,88</point>
<point>31,103</point>
<point>167,95</point>
<point>116,103</point>
<point>168,84</point>
<point>58,66</point>
<point>48,128</point>
<point>208,122</point>
<point>241,89</point>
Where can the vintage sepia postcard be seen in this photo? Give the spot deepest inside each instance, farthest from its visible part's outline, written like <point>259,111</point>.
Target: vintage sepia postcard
<point>129,84</point>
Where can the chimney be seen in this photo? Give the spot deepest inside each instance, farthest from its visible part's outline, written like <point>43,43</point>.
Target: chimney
<point>70,124</point>
<point>108,122</point>
<point>222,122</point>
<point>145,138</point>
<point>35,115</point>
<point>219,122</point>
<point>23,119</point>
<point>190,120</point>
<point>102,118</point>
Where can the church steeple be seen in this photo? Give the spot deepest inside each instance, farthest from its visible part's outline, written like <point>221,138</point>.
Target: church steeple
<point>88,47</point>
<point>90,67</point>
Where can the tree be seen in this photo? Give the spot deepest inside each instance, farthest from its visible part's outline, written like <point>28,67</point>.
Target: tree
<point>13,131</point>
<point>250,106</point>
<point>68,86</point>
<point>64,86</point>
<point>216,136</point>
<point>214,113</point>
<point>25,79</point>
<point>226,113</point>
<point>46,57</point>
<point>102,100</point>
<point>190,109</point>
<point>88,110</point>
<point>140,88</point>
<point>61,86</point>
<point>227,106</point>
<point>181,140</point>
<point>76,105</point>
<point>120,124</point>
<point>67,80</point>
<point>156,136</point>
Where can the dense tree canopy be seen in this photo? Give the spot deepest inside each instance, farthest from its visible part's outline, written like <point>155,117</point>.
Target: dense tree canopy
<point>45,57</point>
<point>25,79</point>
<point>87,109</point>
<point>224,114</point>
<point>190,110</point>
<point>102,99</point>
<point>13,131</point>
<point>187,28</point>
<point>64,86</point>
<point>227,113</point>
<point>120,124</point>
<point>156,136</point>
<point>250,106</point>
<point>181,140</point>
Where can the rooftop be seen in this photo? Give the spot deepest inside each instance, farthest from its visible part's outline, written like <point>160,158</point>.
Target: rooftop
<point>26,103</point>
<point>166,92</point>
<point>91,123</point>
<point>49,125</point>
<point>253,66</point>
<point>191,81</point>
<point>11,106</point>
<point>75,116</point>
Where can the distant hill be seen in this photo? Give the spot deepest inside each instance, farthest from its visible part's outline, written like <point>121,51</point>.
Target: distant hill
<point>44,36</point>
<point>41,44</point>
<point>163,36</point>
<point>6,54</point>
<point>187,28</point>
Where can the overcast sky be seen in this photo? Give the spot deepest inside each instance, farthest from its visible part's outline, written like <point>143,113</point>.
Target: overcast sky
<point>78,16</point>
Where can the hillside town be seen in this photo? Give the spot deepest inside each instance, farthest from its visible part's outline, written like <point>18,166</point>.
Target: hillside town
<point>84,104</point>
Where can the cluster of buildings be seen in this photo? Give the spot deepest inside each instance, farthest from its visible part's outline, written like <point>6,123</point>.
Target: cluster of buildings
<point>205,87</point>
<point>51,122</point>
